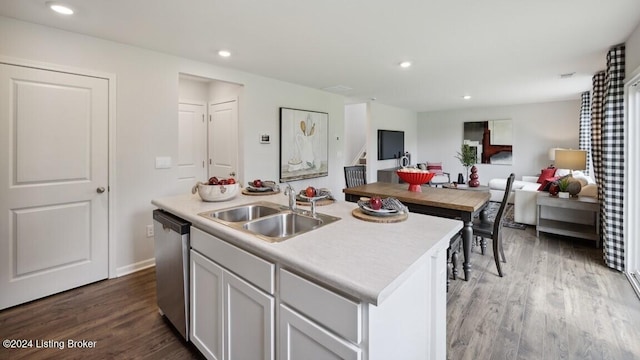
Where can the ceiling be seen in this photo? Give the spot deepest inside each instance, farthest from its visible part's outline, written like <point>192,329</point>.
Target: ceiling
<point>499,52</point>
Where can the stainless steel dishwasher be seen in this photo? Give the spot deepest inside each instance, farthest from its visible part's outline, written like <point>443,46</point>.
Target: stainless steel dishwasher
<point>172,268</point>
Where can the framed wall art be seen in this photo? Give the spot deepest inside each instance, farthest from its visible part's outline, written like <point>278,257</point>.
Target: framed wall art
<point>304,141</point>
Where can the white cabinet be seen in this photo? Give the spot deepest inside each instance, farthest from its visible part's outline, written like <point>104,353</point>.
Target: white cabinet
<point>301,338</point>
<point>324,325</point>
<point>231,317</point>
<point>233,311</point>
<point>206,306</point>
<point>248,319</point>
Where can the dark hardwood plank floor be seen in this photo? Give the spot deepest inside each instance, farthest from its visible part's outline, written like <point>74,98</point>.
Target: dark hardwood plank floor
<point>120,315</point>
<point>557,301</point>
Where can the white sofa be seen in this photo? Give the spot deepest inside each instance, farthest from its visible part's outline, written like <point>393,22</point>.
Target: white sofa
<point>524,193</point>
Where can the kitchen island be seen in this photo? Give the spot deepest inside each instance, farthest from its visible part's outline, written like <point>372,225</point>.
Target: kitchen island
<point>450,203</point>
<point>358,289</point>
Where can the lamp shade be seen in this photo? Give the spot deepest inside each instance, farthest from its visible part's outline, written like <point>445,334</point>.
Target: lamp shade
<point>571,159</point>
<point>552,153</point>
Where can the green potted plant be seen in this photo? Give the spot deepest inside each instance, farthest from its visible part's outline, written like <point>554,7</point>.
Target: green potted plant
<point>467,157</point>
<point>563,184</point>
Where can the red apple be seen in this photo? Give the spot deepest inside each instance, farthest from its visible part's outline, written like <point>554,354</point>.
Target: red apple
<point>310,191</point>
<point>375,203</point>
<point>231,181</point>
<point>213,180</point>
<point>257,183</point>
<point>223,182</point>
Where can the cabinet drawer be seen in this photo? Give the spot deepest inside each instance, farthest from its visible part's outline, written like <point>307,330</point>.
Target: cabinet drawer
<point>337,313</point>
<point>255,270</point>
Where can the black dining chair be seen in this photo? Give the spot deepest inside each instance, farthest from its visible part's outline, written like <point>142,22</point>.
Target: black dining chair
<point>355,175</point>
<point>485,229</point>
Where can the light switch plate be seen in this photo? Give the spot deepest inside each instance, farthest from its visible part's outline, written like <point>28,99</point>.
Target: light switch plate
<point>163,162</point>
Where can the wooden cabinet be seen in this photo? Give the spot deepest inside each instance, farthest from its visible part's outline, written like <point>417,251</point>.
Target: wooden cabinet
<point>231,318</point>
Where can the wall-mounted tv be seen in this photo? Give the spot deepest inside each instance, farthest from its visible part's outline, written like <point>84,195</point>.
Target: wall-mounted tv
<point>390,144</point>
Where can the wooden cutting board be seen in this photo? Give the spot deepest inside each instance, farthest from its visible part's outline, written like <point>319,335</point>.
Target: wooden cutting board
<point>320,202</point>
<point>358,214</point>
<point>259,193</point>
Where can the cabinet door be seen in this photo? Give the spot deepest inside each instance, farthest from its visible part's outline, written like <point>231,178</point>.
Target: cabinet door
<point>248,318</point>
<point>302,339</point>
<point>206,306</point>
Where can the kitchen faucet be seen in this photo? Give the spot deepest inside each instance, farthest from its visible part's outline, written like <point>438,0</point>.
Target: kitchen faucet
<point>289,190</point>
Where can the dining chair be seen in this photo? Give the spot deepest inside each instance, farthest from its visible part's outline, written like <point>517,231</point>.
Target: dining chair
<point>441,178</point>
<point>355,175</point>
<point>485,229</point>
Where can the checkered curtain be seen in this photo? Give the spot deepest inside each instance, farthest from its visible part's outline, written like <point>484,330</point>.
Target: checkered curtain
<point>585,128</point>
<point>597,119</point>
<point>613,160</point>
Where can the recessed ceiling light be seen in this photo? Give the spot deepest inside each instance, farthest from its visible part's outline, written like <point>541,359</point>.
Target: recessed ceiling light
<point>224,53</point>
<point>60,9</point>
<point>467,97</point>
<point>405,64</point>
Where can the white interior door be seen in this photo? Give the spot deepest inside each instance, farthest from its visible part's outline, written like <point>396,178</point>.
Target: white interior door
<point>192,144</point>
<point>54,183</point>
<point>223,139</point>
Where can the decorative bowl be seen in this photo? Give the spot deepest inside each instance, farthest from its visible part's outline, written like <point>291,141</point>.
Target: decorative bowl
<point>415,178</point>
<point>216,192</point>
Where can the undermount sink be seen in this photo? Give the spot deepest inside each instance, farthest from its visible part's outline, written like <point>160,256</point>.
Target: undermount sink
<point>269,221</point>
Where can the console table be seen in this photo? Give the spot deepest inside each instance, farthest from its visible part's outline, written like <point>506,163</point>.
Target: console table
<point>576,216</point>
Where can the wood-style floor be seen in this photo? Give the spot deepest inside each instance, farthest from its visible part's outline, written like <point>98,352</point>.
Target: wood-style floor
<point>556,301</point>
<point>119,314</point>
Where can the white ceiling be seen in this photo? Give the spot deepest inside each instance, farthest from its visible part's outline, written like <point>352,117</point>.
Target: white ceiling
<point>498,51</point>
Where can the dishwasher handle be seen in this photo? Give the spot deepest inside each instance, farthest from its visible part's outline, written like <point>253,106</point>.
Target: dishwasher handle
<point>168,220</point>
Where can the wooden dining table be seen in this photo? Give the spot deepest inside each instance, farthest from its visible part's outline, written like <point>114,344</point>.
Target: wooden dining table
<point>449,203</point>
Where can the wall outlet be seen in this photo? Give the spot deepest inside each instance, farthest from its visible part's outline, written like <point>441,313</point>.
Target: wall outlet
<point>149,230</point>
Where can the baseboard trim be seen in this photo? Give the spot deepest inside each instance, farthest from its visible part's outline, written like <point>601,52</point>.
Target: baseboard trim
<point>635,282</point>
<point>129,269</point>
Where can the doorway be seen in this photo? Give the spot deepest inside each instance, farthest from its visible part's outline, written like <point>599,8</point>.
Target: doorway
<point>219,150</point>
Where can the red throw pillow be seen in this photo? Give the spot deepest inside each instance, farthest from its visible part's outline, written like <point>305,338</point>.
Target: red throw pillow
<point>435,168</point>
<point>545,174</point>
<point>547,182</point>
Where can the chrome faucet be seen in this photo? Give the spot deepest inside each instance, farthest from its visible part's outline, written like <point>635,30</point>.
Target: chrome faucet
<point>290,191</point>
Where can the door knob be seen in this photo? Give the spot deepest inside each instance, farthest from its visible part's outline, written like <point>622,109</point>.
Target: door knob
<point>100,190</point>
<point>233,173</point>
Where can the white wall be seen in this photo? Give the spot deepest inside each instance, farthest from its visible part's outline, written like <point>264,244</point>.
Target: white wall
<point>389,118</point>
<point>147,106</point>
<point>632,52</point>
<point>355,134</point>
<point>536,128</point>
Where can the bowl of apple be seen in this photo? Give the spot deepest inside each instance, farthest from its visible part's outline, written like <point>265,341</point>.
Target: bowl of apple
<point>415,177</point>
<point>217,189</point>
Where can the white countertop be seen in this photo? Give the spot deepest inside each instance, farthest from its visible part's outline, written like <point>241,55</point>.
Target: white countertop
<point>365,260</point>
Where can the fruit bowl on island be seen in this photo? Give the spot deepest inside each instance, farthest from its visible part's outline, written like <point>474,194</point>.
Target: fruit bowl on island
<point>415,177</point>
<point>216,192</point>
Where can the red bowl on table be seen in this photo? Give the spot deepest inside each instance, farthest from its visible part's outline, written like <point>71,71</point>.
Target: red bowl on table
<point>415,178</point>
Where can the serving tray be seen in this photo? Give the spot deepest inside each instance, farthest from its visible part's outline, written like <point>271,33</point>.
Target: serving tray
<point>359,214</point>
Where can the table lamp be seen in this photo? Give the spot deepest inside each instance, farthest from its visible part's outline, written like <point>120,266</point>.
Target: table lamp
<point>552,155</point>
<point>571,159</point>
